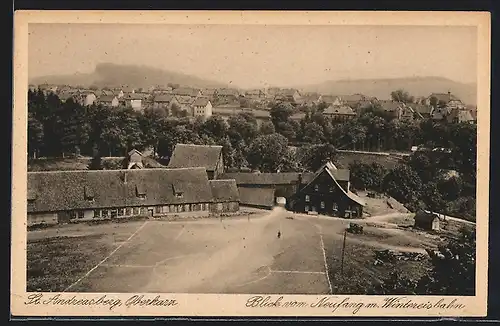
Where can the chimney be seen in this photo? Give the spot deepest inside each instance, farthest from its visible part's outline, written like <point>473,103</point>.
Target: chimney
<point>125,177</point>
<point>299,182</point>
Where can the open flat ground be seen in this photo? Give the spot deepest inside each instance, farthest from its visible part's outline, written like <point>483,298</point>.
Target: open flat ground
<point>233,255</point>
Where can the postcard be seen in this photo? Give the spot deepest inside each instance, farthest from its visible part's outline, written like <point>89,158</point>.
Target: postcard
<point>250,163</point>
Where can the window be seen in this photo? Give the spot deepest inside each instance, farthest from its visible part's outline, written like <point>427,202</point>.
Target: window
<point>105,213</point>
<point>219,206</point>
<point>72,214</point>
<point>128,211</point>
<point>316,187</point>
<point>144,210</point>
<point>157,209</point>
<point>306,208</point>
<point>322,204</point>
<point>166,209</point>
<point>140,191</point>
<point>97,213</point>
<point>307,198</point>
<point>136,210</point>
<point>335,206</point>
<point>331,188</point>
<point>113,213</point>
<point>187,208</point>
<point>120,211</point>
<point>80,214</point>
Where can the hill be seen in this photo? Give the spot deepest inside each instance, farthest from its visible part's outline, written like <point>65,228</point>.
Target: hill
<point>114,75</point>
<point>382,88</point>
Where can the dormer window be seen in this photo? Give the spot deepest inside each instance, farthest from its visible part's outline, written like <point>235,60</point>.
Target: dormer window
<point>316,188</point>
<point>178,193</point>
<point>88,193</point>
<point>140,191</point>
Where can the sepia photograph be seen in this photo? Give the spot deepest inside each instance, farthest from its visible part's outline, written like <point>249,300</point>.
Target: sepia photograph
<point>208,157</point>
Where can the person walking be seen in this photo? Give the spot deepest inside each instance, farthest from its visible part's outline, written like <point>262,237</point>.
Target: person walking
<point>279,234</point>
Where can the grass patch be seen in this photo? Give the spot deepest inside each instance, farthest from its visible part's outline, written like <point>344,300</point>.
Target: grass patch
<point>359,271</point>
<point>55,263</point>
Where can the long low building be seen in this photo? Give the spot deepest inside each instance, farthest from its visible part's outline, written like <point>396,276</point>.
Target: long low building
<point>63,196</point>
<point>261,189</point>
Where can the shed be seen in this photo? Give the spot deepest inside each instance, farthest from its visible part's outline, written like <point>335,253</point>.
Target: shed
<point>426,221</point>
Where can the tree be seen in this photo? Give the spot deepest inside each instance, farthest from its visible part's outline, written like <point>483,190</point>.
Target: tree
<point>313,133</point>
<point>433,198</point>
<point>453,271</point>
<point>450,188</point>
<point>454,267</point>
<point>96,162</point>
<point>267,128</point>
<point>313,157</point>
<point>280,116</point>
<point>267,152</point>
<point>74,127</point>
<point>402,96</point>
<point>35,135</point>
<point>152,125</point>
<point>421,163</point>
<point>215,127</point>
<point>403,183</point>
<point>367,176</point>
<point>243,126</point>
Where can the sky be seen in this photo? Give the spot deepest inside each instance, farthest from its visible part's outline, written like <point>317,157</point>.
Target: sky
<point>258,55</point>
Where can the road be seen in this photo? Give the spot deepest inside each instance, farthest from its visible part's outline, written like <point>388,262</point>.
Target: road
<point>228,256</point>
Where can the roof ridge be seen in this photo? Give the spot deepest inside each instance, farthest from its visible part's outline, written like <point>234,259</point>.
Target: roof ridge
<point>199,145</point>
<point>135,170</point>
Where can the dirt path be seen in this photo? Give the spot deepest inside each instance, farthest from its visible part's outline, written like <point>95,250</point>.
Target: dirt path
<point>234,260</point>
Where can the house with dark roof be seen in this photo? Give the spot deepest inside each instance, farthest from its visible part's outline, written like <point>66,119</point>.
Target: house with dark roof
<point>422,110</point>
<point>64,196</point>
<point>227,95</point>
<point>443,104</point>
<point>309,99</point>
<point>328,193</point>
<point>225,196</point>
<point>331,100</point>
<point>207,156</point>
<point>202,107</point>
<point>187,91</point>
<point>392,108</point>
<point>460,115</point>
<point>184,102</point>
<point>255,94</point>
<point>209,92</point>
<point>228,110</point>
<point>108,100</point>
<point>426,221</point>
<point>339,112</point>
<point>288,94</point>
<point>163,101</point>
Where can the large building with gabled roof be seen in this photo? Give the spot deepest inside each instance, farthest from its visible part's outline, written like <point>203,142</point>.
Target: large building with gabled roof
<point>207,156</point>
<point>328,193</point>
<point>64,196</point>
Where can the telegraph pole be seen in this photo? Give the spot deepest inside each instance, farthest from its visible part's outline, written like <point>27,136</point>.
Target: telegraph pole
<point>343,253</point>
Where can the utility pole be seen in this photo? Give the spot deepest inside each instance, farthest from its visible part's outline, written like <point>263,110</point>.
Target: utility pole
<point>343,253</point>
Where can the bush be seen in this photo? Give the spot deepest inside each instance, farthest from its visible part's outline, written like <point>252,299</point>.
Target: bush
<point>453,271</point>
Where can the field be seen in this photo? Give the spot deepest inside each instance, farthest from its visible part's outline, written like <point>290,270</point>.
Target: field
<point>233,255</point>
